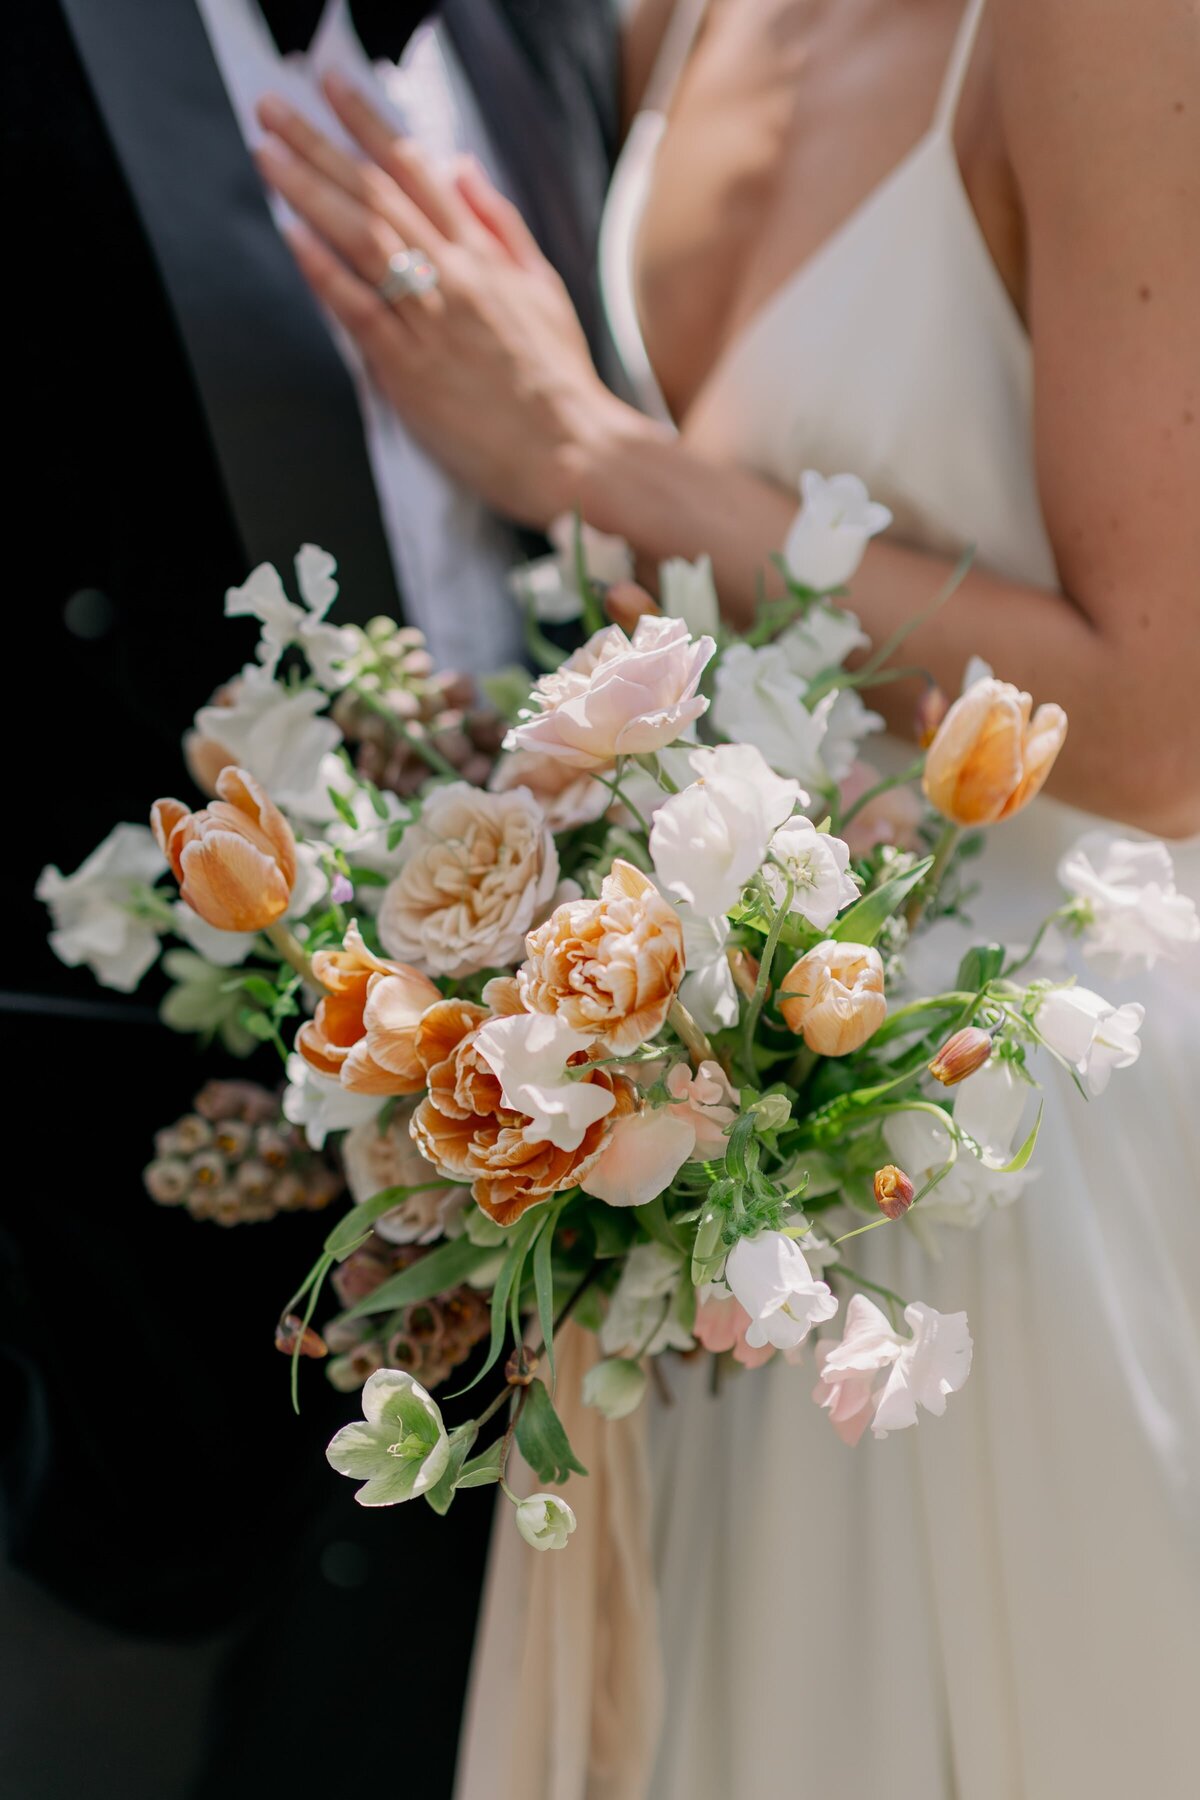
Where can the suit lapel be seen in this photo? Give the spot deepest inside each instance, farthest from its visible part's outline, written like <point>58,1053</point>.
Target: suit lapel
<point>277,397</point>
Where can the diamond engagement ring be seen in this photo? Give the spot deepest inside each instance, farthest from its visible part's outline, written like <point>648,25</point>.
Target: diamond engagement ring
<point>408,272</point>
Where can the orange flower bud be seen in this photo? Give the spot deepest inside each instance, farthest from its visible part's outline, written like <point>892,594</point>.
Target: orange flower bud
<point>291,1332</point>
<point>835,997</point>
<point>894,1191</point>
<point>235,861</point>
<point>744,969</point>
<point>932,708</point>
<point>990,757</point>
<point>961,1055</point>
<point>626,603</point>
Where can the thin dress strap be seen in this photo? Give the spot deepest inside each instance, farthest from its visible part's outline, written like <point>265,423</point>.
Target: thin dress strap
<point>956,68</point>
<point>683,27</point>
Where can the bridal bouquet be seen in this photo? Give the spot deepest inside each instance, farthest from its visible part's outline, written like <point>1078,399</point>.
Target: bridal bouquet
<point>598,1001</point>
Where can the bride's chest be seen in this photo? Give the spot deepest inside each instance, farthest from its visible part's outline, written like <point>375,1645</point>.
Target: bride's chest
<point>788,114</point>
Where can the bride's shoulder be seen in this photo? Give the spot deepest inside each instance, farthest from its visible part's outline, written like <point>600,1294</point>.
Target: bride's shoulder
<point>1098,95</point>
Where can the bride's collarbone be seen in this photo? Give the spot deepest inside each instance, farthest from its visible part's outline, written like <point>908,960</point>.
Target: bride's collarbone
<point>788,117</point>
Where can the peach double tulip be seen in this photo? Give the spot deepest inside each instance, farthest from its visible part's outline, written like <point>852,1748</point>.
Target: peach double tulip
<point>464,1129</point>
<point>833,997</point>
<point>235,861</point>
<point>610,967</point>
<point>364,1031</point>
<point>991,754</point>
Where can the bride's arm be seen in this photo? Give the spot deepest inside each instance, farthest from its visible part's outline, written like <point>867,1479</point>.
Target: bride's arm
<point>492,374</point>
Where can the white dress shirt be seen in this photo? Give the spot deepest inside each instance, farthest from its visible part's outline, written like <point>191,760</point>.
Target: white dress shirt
<point>450,554</point>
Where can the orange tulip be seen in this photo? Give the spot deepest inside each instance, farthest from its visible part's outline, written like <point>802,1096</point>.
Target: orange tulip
<point>989,756</point>
<point>364,1031</point>
<point>235,861</point>
<point>833,997</point>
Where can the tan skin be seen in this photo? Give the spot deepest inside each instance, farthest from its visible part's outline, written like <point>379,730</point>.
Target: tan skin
<point>1081,155</point>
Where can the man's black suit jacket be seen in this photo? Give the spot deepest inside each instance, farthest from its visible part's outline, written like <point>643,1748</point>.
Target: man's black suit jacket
<point>154,1474</point>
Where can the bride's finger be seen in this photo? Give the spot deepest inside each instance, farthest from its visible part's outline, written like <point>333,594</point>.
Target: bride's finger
<point>366,183</point>
<point>496,213</point>
<point>400,158</point>
<point>376,328</point>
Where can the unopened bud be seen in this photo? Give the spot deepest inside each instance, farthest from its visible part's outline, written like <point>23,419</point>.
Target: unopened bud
<point>744,969</point>
<point>894,1191</point>
<point>961,1055</point>
<point>772,1111</point>
<point>932,708</point>
<point>291,1332</point>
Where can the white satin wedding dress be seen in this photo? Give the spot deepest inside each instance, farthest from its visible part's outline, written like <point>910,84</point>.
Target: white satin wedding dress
<point>1004,1603</point>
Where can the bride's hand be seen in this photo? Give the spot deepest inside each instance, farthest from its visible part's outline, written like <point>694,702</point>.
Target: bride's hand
<point>490,369</point>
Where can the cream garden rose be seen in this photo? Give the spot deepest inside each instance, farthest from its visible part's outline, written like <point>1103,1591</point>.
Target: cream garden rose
<point>476,871</point>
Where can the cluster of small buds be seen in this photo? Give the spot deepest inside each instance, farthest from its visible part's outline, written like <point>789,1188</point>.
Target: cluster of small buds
<point>398,699</point>
<point>429,1339</point>
<point>236,1160</point>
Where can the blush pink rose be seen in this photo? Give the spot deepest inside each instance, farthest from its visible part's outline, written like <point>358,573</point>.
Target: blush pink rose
<point>618,696</point>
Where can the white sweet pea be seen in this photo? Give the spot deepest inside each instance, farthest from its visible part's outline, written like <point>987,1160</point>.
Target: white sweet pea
<point>933,1363</point>
<point>262,597</point>
<point>770,1277</point>
<point>708,990</point>
<point>816,864</point>
<point>545,1521</point>
<point>988,1107</point>
<point>225,949</point>
<point>278,736</point>
<point>822,639</point>
<point>643,1315</point>
<point>837,519</point>
<point>97,921</point>
<point>400,1450</point>
<point>646,1151</point>
<point>528,1053</point>
<point>1089,1033</point>
<point>1130,907</point>
<point>708,840</point>
<point>320,1105</point>
<point>686,591</point>
<point>760,700</point>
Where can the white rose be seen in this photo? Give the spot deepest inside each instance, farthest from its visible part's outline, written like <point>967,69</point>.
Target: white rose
<point>1133,910</point>
<point>686,591</point>
<point>837,519</point>
<point>709,839</point>
<point>93,910</point>
<point>1089,1033</point>
<point>477,870</point>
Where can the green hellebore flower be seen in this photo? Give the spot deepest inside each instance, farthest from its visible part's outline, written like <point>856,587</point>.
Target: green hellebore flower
<point>615,1387</point>
<point>545,1521</point>
<point>401,1450</point>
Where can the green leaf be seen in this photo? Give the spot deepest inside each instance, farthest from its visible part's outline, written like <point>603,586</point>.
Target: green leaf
<point>348,1232</point>
<point>541,1438</point>
<point>441,1493</point>
<point>613,1228</point>
<point>259,988</point>
<point>653,1219</point>
<point>395,833</point>
<point>867,917</point>
<point>509,1278</point>
<point>342,807</point>
<point>1023,1154</point>
<point>979,966</point>
<point>543,1284</point>
<point>359,877</point>
<point>257,1024</point>
<point>442,1269</point>
<point>484,1468</point>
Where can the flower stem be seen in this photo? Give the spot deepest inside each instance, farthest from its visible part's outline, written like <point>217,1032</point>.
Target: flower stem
<point>689,1034</point>
<point>764,977</point>
<point>928,889</point>
<point>417,741</point>
<point>291,950</point>
<point>881,787</point>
